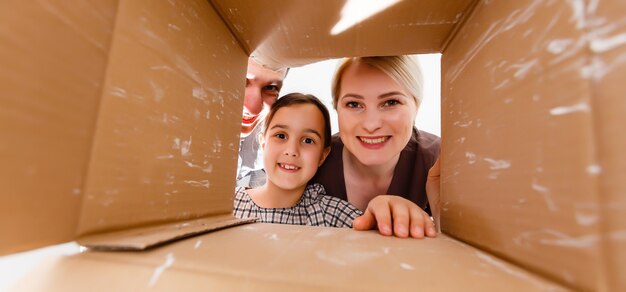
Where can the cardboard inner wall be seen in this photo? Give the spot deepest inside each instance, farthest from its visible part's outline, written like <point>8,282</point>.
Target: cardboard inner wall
<point>607,71</point>
<point>294,33</point>
<point>516,75</point>
<point>53,56</point>
<point>532,156</point>
<point>163,149</point>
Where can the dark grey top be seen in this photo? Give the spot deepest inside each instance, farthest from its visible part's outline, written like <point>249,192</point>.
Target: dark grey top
<point>409,176</point>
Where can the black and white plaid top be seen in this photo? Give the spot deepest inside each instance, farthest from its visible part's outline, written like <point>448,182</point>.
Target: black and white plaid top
<point>314,208</point>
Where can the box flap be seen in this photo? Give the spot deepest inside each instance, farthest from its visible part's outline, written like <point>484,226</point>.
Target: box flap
<point>52,62</point>
<point>294,33</point>
<point>163,151</point>
<point>280,257</point>
<point>146,237</point>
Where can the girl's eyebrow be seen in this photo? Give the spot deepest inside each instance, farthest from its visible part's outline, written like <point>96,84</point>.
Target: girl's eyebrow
<point>313,131</point>
<point>281,126</point>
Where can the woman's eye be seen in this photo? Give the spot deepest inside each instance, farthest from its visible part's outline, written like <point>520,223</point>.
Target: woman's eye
<point>308,141</point>
<point>281,136</point>
<point>352,104</point>
<point>391,102</point>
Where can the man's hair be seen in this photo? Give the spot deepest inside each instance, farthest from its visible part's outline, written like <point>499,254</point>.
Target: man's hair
<point>300,98</point>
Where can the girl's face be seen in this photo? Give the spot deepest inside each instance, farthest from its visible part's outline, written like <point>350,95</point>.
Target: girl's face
<point>376,115</point>
<point>293,146</point>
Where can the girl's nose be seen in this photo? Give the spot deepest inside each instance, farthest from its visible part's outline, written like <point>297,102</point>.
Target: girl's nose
<point>292,149</point>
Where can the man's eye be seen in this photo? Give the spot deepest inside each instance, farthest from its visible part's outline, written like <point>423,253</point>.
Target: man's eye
<point>352,104</point>
<point>271,88</point>
<point>308,141</point>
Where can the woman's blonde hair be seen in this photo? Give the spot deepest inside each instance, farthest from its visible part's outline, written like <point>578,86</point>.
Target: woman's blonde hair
<point>402,69</point>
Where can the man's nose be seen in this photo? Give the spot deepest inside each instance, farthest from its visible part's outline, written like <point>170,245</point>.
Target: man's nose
<point>252,100</point>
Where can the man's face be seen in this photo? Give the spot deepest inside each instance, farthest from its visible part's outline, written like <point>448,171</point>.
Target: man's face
<point>262,87</point>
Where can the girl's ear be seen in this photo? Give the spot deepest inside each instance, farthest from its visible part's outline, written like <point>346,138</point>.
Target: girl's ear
<point>324,155</point>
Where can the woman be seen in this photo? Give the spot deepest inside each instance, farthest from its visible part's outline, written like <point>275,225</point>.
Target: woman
<point>378,150</point>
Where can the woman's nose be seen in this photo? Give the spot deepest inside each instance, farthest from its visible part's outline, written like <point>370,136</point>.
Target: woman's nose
<point>372,120</point>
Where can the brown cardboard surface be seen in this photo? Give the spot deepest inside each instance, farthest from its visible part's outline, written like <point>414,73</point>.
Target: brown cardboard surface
<point>163,150</point>
<point>607,71</point>
<point>297,32</point>
<point>522,174</point>
<point>52,60</point>
<point>150,236</point>
<point>280,257</point>
<point>533,160</point>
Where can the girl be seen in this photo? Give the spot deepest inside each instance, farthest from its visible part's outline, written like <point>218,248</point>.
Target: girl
<point>295,142</point>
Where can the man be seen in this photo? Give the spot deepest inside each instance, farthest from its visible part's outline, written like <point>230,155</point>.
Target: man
<point>262,88</point>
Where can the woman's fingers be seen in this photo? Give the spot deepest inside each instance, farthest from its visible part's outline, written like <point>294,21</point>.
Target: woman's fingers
<point>429,225</point>
<point>401,217</point>
<point>377,214</point>
<point>408,218</point>
<point>417,223</point>
<point>381,211</point>
<point>433,192</point>
<point>366,221</point>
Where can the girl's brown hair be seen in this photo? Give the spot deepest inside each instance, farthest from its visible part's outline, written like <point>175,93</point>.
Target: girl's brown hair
<point>300,98</point>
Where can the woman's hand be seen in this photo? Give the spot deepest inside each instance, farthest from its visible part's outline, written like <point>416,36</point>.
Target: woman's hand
<point>432,191</point>
<point>382,209</point>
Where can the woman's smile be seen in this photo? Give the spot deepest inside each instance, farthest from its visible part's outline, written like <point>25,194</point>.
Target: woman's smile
<point>373,142</point>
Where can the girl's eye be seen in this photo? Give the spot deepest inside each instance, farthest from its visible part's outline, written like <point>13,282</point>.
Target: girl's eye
<point>391,102</point>
<point>308,141</point>
<point>281,136</point>
<point>352,104</point>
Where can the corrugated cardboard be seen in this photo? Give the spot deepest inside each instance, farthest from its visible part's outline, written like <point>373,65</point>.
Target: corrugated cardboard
<point>537,198</point>
<point>607,72</point>
<point>286,257</point>
<point>145,151</point>
<point>53,55</point>
<point>532,109</point>
<point>162,151</point>
<point>295,33</point>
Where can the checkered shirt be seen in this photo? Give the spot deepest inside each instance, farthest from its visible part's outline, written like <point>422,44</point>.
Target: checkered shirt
<point>314,209</point>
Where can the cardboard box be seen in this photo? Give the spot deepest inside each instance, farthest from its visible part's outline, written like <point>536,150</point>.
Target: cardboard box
<point>120,119</point>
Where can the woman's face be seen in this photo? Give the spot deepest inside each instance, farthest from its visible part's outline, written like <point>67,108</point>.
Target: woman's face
<point>376,115</point>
